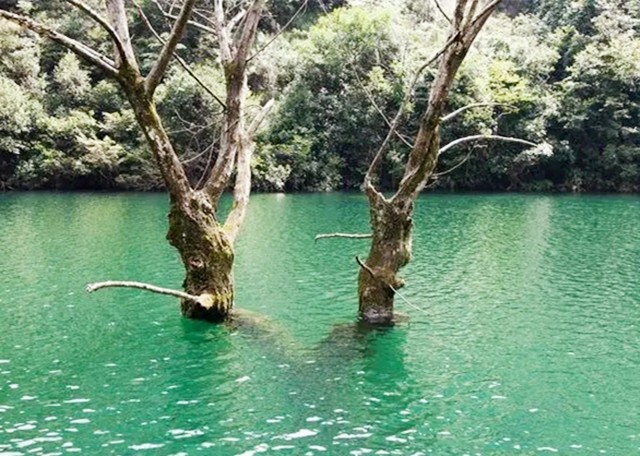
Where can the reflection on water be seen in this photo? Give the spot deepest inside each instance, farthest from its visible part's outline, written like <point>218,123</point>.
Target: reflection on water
<point>528,341</point>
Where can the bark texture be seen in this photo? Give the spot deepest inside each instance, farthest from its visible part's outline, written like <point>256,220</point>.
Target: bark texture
<point>390,251</point>
<point>207,254</point>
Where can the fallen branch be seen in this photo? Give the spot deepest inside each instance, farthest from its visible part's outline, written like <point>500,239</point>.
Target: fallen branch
<point>342,235</point>
<point>205,300</point>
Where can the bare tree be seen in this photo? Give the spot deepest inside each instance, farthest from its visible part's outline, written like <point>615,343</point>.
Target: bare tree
<point>391,217</point>
<point>205,243</point>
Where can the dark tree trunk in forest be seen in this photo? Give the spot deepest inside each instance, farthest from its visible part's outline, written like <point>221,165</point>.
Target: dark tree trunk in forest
<point>204,243</point>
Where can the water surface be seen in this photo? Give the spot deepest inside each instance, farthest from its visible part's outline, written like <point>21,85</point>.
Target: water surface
<point>526,340</point>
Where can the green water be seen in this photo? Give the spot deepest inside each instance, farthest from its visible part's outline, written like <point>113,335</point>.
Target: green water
<point>528,342</point>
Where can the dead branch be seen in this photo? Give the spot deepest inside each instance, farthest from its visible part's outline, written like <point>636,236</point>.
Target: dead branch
<point>343,235</point>
<point>222,31</point>
<point>235,20</point>
<point>81,50</point>
<point>454,167</point>
<point>234,61</point>
<point>365,267</point>
<point>459,111</point>
<point>251,20</point>
<point>242,187</point>
<point>161,64</point>
<point>205,300</point>
<point>375,105</point>
<point>190,22</point>
<point>471,138</point>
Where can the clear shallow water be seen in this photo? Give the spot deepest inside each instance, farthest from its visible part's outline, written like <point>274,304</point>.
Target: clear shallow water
<point>529,342</point>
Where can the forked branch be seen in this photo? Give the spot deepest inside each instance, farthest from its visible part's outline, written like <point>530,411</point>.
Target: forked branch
<point>104,24</point>
<point>180,60</point>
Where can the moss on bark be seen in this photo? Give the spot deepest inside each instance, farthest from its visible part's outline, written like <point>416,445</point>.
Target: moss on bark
<point>207,254</point>
<point>390,251</point>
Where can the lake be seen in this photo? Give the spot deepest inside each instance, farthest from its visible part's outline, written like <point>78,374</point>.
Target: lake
<point>523,334</point>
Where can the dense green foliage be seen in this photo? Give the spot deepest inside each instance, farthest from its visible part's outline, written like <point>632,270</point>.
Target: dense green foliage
<point>562,72</point>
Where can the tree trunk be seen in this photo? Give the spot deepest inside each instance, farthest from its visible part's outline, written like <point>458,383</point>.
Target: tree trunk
<point>205,249</point>
<point>391,218</point>
<point>390,250</point>
<point>207,254</point>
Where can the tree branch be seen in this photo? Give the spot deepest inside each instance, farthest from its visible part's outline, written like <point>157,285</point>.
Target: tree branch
<point>252,19</point>
<point>205,300</point>
<point>365,267</point>
<point>442,11</point>
<point>368,178</point>
<point>257,121</point>
<point>190,22</point>
<point>180,60</point>
<point>222,31</point>
<point>342,235</point>
<point>459,141</point>
<point>242,187</point>
<point>281,31</point>
<point>161,64</point>
<point>104,24</point>
<point>459,111</point>
<point>375,105</point>
<point>478,22</point>
<point>74,46</point>
<point>235,20</point>
<point>454,167</point>
<point>424,156</point>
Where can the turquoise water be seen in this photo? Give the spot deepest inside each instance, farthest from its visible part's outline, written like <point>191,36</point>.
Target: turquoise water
<point>527,341</point>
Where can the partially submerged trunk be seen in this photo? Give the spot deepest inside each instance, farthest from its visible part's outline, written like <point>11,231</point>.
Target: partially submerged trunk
<point>205,244</point>
<point>390,251</point>
<point>207,254</point>
<point>391,218</point>
<point>206,251</point>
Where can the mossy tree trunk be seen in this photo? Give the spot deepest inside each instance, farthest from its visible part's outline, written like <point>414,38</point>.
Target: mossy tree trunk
<point>391,218</point>
<point>207,254</point>
<point>390,251</point>
<point>204,243</point>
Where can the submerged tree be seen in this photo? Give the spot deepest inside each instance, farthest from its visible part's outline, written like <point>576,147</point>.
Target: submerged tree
<point>205,243</point>
<point>391,217</point>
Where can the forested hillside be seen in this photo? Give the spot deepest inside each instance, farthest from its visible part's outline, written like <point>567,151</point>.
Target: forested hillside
<point>562,72</point>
